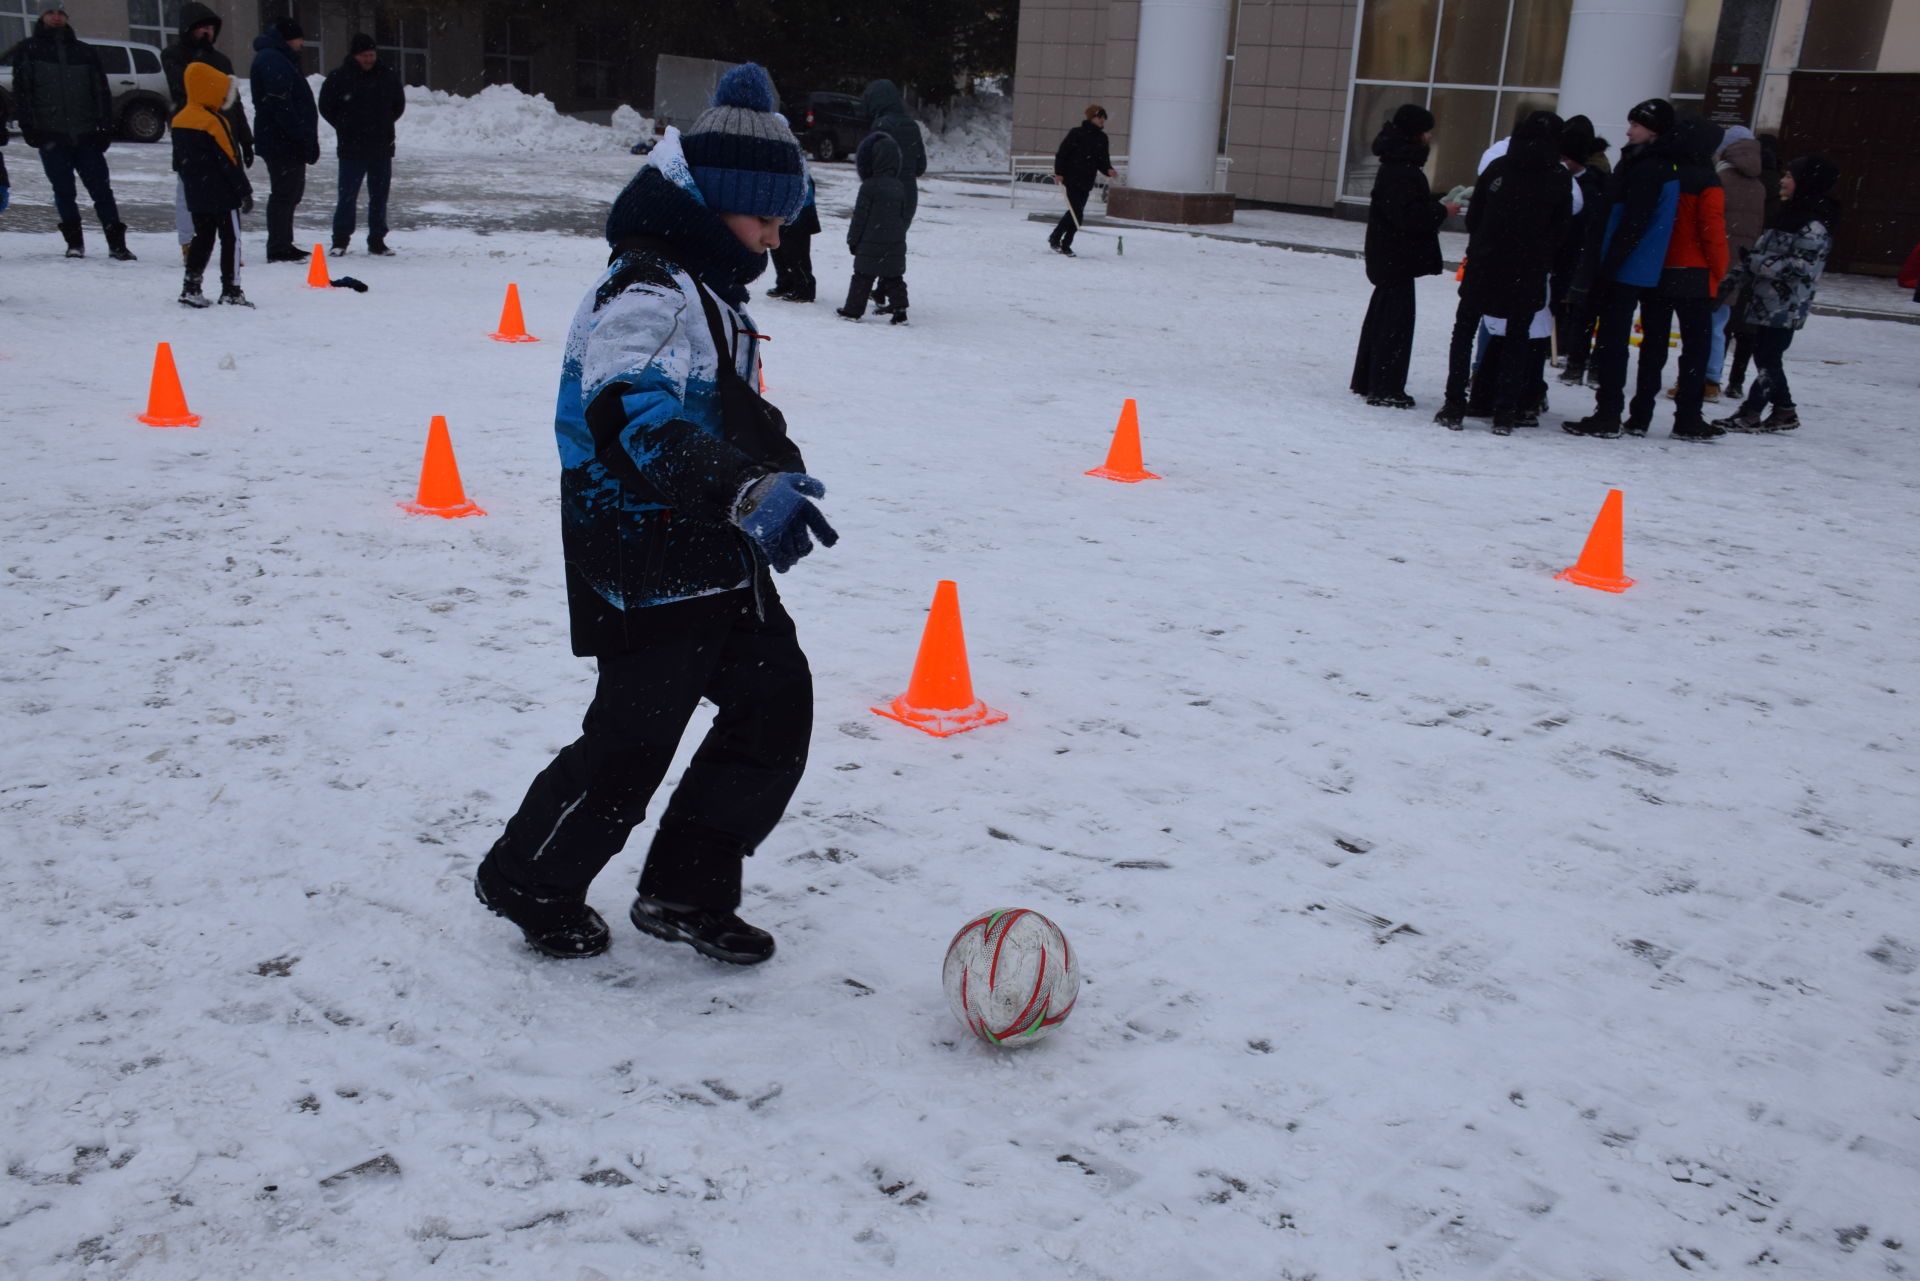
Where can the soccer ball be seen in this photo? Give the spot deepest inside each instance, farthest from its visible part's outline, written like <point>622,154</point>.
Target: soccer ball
<point>1011,978</point>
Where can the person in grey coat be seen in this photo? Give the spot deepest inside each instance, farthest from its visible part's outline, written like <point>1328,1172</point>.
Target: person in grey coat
<point>878,233</point>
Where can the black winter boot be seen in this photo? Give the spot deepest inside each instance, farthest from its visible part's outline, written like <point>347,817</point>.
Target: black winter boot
<point>564,928</point>
<point>190,295</point>
<point>230,296</point>
<point>76,243</point>
<point>117,250</point>
<point>1783,418</point>
<point>1599,425</point>
<point>899,316</point>
<point>1698,430</point>
<point>1452,416</point>
<point>720,935</point>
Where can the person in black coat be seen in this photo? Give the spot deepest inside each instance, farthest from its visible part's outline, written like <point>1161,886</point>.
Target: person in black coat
<point>199,28</point>
<point>877,235</point>
<point>286,131</point>
<point>793,257</point>
<point>1403,244</point>
<point>362,99</point>
<point>1082,154</point>
<point>1575,330</point>
<point>65,110</point>
<point>1515,221</point>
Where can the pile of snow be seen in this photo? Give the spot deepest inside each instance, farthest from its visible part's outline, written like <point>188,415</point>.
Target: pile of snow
<point>974,135</point>
<point>501,119</point>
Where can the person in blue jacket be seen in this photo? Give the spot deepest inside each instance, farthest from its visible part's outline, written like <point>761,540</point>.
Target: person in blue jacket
<point>286,131</point>
<point>679,491</point>
<point>1626,249</point>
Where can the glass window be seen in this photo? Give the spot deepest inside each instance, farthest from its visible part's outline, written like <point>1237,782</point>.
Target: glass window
<point>592,70</point>
<point>506,51</point>
<point>1537,44</point>
<point>1462,129</point>
<point>1396,39</point>
<point>146,62</point>
<point>154,22</point>
<point>1471,36</point>
<point>16,21</point>
<point>114,60</point>
<point>1517,106</point>
<point>1697,30</point>
<point>402,43</point>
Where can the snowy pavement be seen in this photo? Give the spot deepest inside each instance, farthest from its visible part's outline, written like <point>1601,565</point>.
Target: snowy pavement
<point>1438,919</point>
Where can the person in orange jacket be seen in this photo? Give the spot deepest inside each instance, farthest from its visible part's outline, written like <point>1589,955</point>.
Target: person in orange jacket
<point>1689,279</point>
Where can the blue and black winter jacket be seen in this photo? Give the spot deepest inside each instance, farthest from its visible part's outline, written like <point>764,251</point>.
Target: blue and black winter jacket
<point>1643,196</point>
<point>648,478</point>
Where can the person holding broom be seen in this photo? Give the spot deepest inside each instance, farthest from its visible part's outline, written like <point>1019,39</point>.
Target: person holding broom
<point>1082,154</point>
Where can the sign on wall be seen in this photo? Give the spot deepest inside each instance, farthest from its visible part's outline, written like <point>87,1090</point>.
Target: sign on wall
<point>1733,90</point>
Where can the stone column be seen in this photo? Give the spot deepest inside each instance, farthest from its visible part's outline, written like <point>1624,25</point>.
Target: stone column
<point>1619,52</point>
<point>1174,126</point>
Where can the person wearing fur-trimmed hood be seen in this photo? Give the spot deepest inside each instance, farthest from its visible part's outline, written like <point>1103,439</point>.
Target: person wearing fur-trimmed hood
<point>679,490</point>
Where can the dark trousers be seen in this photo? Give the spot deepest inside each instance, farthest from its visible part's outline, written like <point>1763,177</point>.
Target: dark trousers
<point>289,185</point>
<point>793,265</point>
<point>1386,342</point>
<point>1657,314</point>
<point>64,162</point>
<point>1466,327</point>
<point>579,810</point>
<point>1610,347</point>
<point>1741,340</point>
<point>1070,222</point>
<point>1512,370</point>
<point>892,288</point>
<point>207,225</point>
<point>378,175</point>
<point>1770,383</point>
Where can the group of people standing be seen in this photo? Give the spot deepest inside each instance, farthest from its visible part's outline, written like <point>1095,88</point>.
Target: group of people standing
<point>65,112</point>
<point>1559,247</point>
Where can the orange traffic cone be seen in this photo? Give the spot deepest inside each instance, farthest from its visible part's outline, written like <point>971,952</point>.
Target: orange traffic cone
<point>939,698</point>
<point>166,403</point>
<point>1600,560</point>
<point>1123,456</point>
<point>317,270</point>
<point>512,327</point>
<point>440,491</point>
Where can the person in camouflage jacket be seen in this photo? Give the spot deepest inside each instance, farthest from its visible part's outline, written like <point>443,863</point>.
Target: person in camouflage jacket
<point>1779,277</point>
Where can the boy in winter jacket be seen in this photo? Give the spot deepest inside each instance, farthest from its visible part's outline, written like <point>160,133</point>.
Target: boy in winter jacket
<point>199,29</point>
<point>1778,280</point>
<point>206,155</point>
<point>877,236</point>
<point>679,490</point>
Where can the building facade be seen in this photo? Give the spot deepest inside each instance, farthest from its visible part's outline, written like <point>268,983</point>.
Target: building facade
<point>1308,83</point>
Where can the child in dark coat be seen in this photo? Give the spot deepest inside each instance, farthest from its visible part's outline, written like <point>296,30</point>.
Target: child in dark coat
<point>878,233</point>
<point>207,157</point>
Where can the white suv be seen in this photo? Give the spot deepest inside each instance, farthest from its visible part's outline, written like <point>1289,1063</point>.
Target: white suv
<point>141,105</point>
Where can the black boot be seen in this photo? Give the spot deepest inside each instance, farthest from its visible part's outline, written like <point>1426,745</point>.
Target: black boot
<point>190,295</point>
<point>1452,416</point>
<point>566,928</point>
<point>76,243</point>
<point>117,250</point>
<point>1597,424</point>
<point>899,316</point>
<point>378,248</point>
<point>720,935</point>
<point>230,296</point>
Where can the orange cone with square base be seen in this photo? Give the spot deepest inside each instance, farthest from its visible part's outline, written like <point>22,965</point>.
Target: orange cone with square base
<point>939,698</point>
<point>1123,456</point>
<point>1600,562</point>
<point>440,491</point>
<point>166,403</point>
<point>512,327</point>
<point>317,270</point>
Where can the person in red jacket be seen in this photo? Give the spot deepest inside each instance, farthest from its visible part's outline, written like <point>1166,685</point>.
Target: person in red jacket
<point>1689,278</point>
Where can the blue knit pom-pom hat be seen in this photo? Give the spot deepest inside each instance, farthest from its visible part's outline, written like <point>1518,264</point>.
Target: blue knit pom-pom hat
<point>744,157</point>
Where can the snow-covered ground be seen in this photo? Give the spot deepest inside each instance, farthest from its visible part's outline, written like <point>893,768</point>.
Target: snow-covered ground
<point>1439,919</point>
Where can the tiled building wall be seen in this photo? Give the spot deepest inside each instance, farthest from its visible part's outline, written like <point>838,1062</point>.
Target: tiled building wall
<point>1287,103</point>
<point>1072,53</point>
<point>1286,121</point>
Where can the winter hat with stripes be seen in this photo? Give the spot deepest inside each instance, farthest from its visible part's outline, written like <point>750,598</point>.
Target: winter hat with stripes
<point>744,157</point>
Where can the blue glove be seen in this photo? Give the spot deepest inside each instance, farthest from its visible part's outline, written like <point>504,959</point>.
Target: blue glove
<point>775,514</point>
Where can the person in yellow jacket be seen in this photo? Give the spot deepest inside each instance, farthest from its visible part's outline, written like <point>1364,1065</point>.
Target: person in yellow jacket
<point>206,155</point>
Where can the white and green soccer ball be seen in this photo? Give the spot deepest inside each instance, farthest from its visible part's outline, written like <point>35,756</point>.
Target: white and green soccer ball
<point>1011,977</point>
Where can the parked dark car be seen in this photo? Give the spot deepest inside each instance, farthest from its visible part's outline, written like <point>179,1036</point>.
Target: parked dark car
<point>828,125</point>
